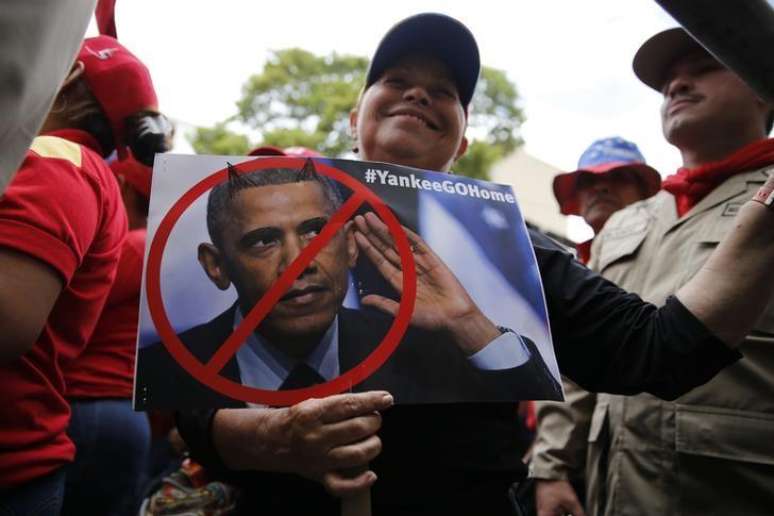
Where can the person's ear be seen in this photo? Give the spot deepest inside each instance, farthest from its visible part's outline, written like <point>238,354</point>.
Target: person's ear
<point>352,250</point>
<point>353,128</point>
<point>75,72</point>
<point>211,261</point>
<point>461,149</point>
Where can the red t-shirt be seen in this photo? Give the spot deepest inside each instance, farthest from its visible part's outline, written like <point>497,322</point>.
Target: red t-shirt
<point>64,208</point>
<point>106,367</point>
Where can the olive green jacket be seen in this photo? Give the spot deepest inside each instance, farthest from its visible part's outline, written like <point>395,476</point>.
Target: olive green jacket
<point>710,451</point>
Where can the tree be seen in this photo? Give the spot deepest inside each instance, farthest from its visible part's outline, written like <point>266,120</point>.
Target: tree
<point>493,126</point>
<point>220,140</point>
<point>302,99</point>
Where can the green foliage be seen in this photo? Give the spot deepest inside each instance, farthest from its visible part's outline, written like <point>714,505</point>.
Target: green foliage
<point>495,112</point>
<point>219,140</point>
<point>302,99</point>
<point>478,160</point>
<point>299,92</point>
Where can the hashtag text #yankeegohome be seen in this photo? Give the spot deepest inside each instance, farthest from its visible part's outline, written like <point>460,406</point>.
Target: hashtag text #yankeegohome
<point>385,177</point>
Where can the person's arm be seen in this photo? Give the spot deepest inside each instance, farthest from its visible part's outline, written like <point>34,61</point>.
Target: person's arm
<point>559,450</point>
<point>738,277</point>
<point>609,340</point>
<point>321,439</point>
<point>48,217</point>
<point>28,290</point>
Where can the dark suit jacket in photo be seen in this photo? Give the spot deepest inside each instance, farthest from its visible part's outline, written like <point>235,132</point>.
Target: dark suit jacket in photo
<point>427,367</point>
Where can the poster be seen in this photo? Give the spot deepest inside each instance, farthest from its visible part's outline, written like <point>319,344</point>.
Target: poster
<point>271,280</point>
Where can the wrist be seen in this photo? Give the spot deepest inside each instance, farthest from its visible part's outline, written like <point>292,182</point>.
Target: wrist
<point>473,332</point>
<point>765,195</point>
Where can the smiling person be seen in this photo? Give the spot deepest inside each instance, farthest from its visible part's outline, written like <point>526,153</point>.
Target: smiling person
<point>461,459</point>
<point>710,450</point>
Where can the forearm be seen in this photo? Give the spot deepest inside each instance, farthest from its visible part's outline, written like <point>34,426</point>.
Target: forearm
<point>562,431</point>
<point>731,290</point>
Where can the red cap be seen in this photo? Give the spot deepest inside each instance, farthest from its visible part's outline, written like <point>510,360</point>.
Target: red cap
<point>267,150</point>
<point>135,173</point>
<point>120,82</point>
<point>270,150</point>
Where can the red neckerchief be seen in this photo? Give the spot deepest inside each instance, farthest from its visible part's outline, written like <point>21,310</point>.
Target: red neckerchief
<point>77,136</point>
<point>584,251</point>
<point>691,185</point>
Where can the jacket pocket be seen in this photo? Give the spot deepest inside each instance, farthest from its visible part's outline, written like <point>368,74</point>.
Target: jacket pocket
<point>743,436</point>
<point>622,242</point>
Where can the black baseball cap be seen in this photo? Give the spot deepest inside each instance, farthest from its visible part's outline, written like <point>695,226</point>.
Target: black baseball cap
<point>658,53</point>
<point>435,34</point>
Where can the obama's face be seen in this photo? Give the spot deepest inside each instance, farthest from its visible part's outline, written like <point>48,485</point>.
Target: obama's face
<point>267,229</point>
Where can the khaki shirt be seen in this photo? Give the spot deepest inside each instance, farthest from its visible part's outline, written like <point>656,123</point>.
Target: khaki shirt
<point>710,451</point>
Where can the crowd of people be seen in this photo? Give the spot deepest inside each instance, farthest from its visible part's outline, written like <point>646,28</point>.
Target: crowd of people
<point>666,382</point>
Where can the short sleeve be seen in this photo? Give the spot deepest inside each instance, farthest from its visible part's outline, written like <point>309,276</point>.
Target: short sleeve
<point>51,210</point>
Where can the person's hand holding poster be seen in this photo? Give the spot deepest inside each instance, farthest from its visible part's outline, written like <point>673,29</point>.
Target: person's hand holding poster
<point>311,285</point>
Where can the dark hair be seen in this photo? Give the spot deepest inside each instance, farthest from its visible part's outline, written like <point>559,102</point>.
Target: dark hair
<point>222,195</point>
<point>770,122</point>
<point>80,108</point>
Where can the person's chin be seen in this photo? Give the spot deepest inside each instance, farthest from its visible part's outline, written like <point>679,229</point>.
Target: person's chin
<point>302,324</point>
<point>599,216</point>
<point>402,150</point>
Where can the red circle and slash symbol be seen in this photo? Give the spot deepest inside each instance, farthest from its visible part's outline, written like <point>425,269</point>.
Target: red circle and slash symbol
<point>208,373</point>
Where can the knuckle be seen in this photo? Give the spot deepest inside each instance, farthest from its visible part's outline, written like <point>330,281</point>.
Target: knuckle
<point>362,427</point>
<point>376,448</point>
<point>350,405</point>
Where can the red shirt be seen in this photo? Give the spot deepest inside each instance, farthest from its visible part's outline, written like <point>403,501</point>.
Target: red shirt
<point>63,208</point>
<point>106,368</point>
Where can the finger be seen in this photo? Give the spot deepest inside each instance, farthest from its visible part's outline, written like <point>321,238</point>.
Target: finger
<point>574,507</point>
<point>387,252</point>
<point>385,248</point>
<point>356,454</point>
<point>352,430</point>
<point>385,267</point>
<point>346,406</point>
<point>382,303</point>
<point>340,485</point>
<point>379,229</point>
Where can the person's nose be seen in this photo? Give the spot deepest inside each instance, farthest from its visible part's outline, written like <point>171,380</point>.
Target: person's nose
<point>677,84</point>
<point>291,250</point>
<point>601,186</point>
<point>418,94</point>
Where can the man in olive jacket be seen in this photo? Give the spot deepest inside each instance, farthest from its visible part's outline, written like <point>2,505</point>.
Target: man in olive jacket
<point>710,451</point>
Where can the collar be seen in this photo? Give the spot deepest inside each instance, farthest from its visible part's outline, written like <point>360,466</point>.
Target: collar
<point>689,186</point>
<point>584,251</point>
<point>77,136</point>
<point>263,365</point>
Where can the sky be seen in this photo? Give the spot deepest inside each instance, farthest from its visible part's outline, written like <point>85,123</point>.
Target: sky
<point>570,60</point>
